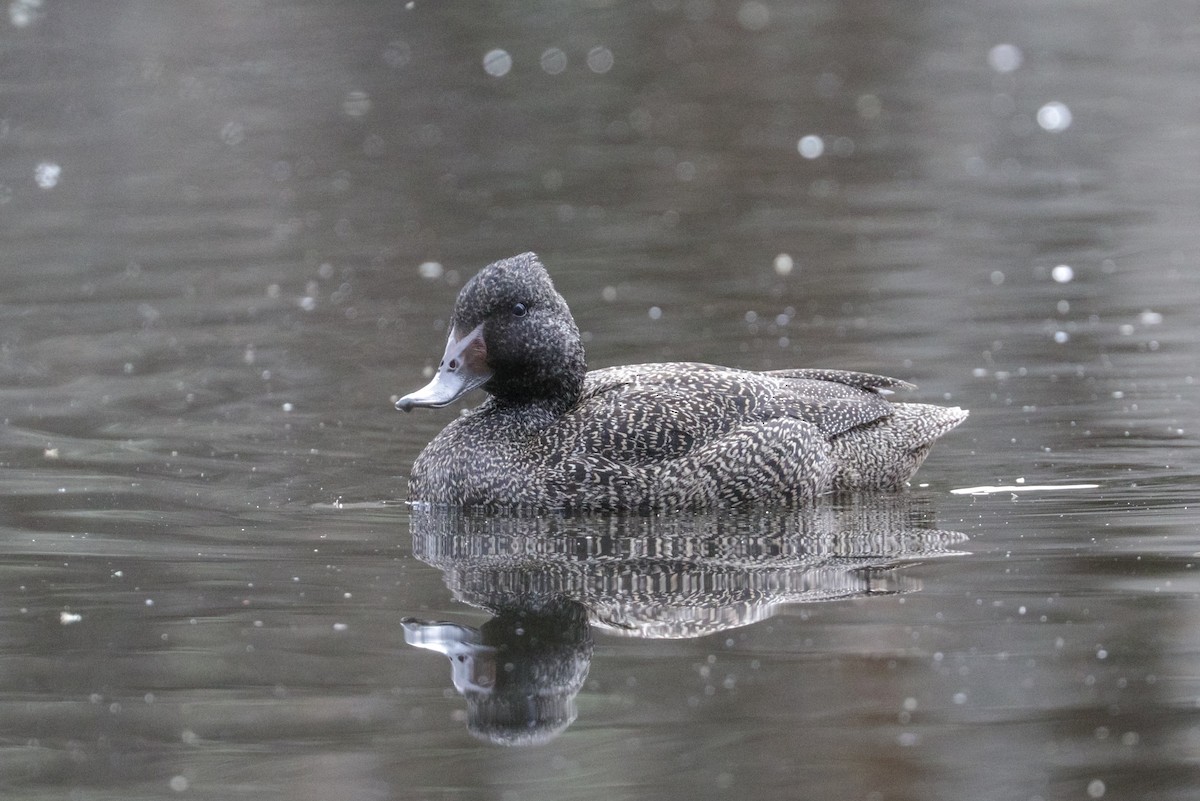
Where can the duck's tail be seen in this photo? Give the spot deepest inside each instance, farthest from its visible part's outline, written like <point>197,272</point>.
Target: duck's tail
<point>886,453</point>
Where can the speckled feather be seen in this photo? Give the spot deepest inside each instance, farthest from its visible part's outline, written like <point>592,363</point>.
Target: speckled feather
<point>654,436</point>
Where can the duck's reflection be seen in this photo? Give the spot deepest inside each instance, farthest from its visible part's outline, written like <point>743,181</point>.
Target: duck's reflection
<point>549,580</point>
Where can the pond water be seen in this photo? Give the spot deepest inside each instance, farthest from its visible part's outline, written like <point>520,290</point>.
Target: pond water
<point>232,235</point>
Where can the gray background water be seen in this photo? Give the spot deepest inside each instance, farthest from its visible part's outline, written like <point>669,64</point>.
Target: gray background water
<point>215,216</point>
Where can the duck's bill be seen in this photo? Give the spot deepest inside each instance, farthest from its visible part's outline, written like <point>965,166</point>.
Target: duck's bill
<point>463,368</point>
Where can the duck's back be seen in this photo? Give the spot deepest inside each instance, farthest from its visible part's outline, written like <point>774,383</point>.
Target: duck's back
<point>649,412</point>
<point>696,435</point>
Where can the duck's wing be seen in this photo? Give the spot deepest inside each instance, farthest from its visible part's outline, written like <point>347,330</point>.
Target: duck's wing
<point>836,401</point>
<point>847,378</point>
<point>644,413</point>
<point>650,418</point>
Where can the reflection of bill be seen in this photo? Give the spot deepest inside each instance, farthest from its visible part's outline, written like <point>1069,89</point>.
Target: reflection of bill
<point>546,579</point>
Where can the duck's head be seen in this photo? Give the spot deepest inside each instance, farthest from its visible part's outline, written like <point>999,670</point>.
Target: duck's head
<point>511,334</point>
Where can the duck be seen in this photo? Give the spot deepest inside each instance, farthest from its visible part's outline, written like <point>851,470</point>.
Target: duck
<point>645,438</point>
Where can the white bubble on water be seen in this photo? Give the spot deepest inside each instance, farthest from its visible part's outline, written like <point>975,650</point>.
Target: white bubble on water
<point>178,783</point>
<point>811,146</point>
<point>233,133</point>
<point>1054,117</point>
<point>1005,58</point>
<point>655,313</point>
<point>46,174</point>
<point>356,103</point>
<point>23,13</point>
<point>554,61</point>
<point>430,270</point>
<point>600,60</point>
<point>1063,274</point>
<point>869,106</point>
<point>784,264</point>
<point>1148,317</point>
<point>753,15</point>
<point>397,54</point>
<point>1061,337</point>
<point>497,63</point>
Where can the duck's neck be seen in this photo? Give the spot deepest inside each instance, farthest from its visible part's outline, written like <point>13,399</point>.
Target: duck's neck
<point>545,388</point>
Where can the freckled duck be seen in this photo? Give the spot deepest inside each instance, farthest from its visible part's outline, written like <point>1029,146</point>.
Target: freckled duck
<point>646,437</point>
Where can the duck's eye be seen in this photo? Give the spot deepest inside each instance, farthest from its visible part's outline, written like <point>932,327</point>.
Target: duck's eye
<point>519,310</point>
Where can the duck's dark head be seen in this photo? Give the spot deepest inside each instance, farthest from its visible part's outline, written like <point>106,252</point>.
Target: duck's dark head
<point>513,335</point>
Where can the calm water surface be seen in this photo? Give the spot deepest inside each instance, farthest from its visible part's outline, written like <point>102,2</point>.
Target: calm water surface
<point>232,234</point>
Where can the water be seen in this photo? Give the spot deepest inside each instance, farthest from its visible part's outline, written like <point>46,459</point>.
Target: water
<point>215,219</point>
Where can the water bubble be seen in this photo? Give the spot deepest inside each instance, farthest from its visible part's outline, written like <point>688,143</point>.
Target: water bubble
<point>397,54</point>
<point>497,63</point>
<point>810,146</point>
<point>46,174</point>
<point>1061,337</point>
<point>1062,273</point>
<point>869,106</point>
<point>753,16</point>
<point>1095,789</point>
<point>1063,306</point>
<point>554,61</point>
<point>1054,117</point>
<point>23,13</point>
<point>1005,57</point>
<point>784,264</point>
<point>1148,317</point>
<point>609,293</point>
<point>843,146</point>
<point>655,313</point>
<point>178,783</point>
<point>997,277</point>
<point>430,270</point>
<point>232,133</point>
<point>356,103</point>
<point>600,60</point>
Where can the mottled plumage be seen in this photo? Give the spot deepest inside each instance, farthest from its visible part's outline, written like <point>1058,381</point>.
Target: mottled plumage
<point>644,437</point>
